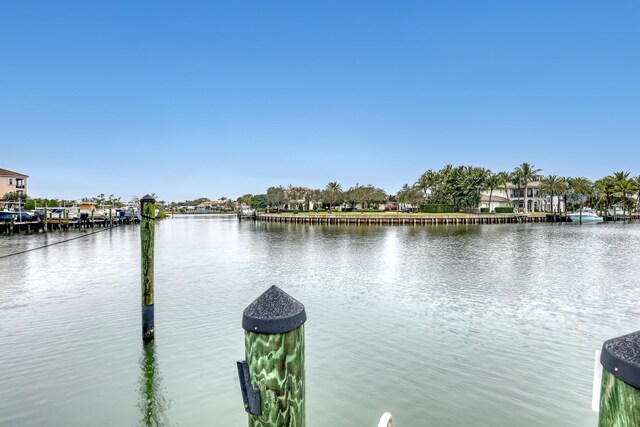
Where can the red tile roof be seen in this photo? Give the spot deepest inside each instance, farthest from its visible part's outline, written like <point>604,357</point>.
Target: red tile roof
<point>5,172</point>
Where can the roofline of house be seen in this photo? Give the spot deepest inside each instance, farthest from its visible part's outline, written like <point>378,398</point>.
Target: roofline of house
<point>7,172</point>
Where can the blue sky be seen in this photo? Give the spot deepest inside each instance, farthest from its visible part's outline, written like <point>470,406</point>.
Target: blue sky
<point>191,99</point>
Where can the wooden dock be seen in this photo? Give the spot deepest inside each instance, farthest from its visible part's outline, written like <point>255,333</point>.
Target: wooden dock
<point>28,227</point>
<point>627,217</point>
<point>21,227</point>
<point>399,219</point>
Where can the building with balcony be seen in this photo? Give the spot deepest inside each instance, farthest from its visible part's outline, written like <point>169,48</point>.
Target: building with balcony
<point>12,182</point>
<point>514,196</point>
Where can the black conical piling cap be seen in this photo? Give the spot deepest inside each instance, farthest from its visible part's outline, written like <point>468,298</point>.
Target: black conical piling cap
<point>621,357</point>
<point>273,312</point>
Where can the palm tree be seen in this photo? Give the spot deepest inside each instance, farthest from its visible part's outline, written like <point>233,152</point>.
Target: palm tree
<point>517,179</point>
<point>527,173</point>
<point>567,191</point>
<point>428,181</point>
<point>333,193</point>
<point>636,181</point>
<point>606,187</point>
<point>623,186</point>
<point>582,187</point>
<point>505,178</point>
<point>494,180</point>
<point>552,185</point>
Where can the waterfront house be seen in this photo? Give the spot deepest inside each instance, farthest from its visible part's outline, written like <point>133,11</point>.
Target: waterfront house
<point>496,201</point>
<point>514,196</point>
<point>212,206</point>
<point>12,182</point>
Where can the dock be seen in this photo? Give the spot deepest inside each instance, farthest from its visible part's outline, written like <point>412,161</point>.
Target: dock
<point>28,227</point>
<point>626,217</point>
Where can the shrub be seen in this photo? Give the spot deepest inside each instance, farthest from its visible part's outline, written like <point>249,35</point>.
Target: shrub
<point>484,210</point>
<point>504,209</point>
<point>436,208</point>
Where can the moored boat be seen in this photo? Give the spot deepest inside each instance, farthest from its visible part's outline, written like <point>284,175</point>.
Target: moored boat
<point>5,216</point>
<point>247,213</point>
<point>585,215</point>
<point>8,216</point>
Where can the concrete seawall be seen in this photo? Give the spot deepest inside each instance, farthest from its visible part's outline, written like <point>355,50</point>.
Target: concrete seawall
<point>399,219</point>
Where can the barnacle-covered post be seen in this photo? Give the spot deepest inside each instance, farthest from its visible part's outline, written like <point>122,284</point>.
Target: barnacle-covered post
<point>272,375</point>
<point>147,228</point>
<point>620,390</point>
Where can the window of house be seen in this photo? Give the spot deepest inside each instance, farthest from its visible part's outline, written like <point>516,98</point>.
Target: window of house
<point>10,181</point>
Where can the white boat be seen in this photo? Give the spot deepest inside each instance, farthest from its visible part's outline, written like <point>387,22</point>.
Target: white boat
<point>247,213</point>
<point>586,215</point>
<point>617,211</point>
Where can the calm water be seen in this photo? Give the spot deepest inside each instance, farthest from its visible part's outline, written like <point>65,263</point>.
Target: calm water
<point>443,326</point>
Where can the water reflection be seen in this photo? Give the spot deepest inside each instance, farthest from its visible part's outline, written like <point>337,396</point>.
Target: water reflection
<point>153,404</point>
<point>497,323</point>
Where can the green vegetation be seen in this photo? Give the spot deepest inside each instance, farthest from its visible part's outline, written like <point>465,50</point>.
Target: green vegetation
<point>461,189</point>
<point>450,189</point>
<point>411,195</point>
<point>14,196</point>
<point>259,202</point>
<point>437,209</point>
<point>503,209</point>
<point>552,185</point>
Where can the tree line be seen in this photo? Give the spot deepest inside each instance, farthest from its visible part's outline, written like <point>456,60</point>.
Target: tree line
<point>461,187</point>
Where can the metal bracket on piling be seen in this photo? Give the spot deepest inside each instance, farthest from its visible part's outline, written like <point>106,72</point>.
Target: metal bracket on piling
<point>250,395</point>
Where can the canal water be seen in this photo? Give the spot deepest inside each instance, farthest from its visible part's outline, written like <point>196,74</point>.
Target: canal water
<point>490,325</point>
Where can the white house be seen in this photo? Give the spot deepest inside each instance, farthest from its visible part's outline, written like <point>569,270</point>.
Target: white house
<point>514,196</point>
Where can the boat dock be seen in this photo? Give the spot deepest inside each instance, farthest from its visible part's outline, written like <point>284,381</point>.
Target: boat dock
<point>626,217</point>
<point>17,227</point>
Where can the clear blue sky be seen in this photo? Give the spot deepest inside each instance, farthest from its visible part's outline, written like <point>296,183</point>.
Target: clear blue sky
<point>217,99</point>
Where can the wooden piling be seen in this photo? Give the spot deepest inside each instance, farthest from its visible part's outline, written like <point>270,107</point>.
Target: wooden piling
<point>620,390</point>
<point>147,228</point>
<point>272,377</point>
<point>46,203</point>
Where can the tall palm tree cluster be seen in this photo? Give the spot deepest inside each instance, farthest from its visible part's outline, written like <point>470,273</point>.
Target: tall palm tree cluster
<point>462,187</point>
<point>619,190</point>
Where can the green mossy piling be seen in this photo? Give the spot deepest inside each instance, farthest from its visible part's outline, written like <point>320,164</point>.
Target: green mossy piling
<point>147,228</point>
<point>274,351</point>
<point>620,389</point>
